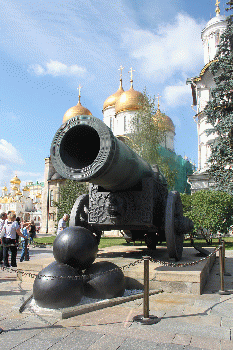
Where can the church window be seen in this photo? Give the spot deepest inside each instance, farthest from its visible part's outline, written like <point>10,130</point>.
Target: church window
<point>217,38</point>
<point>51,198</point>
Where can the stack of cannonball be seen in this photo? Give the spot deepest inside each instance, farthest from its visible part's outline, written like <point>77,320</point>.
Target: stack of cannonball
<point>74,273</point>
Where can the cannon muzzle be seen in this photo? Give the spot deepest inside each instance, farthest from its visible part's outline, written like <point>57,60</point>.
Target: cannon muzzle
<point>85,149</point>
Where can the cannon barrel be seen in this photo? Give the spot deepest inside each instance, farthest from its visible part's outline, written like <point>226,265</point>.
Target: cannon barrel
<point>85,149</point>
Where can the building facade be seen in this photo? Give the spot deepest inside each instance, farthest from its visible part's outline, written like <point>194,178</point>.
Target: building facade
<point>25,203</point>
<point>201,92</point>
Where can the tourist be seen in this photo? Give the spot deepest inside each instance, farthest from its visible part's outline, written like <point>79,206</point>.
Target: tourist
<point>24,242</point>
<point>10,228</point>
<point>3,217</point>
<point>62,223</point>
<point>32,232</point>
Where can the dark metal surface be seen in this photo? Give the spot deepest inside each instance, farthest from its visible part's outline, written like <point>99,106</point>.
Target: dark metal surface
<point>125,193</point>
<point>102,284</point>
<point>174,239</point>
<point>75,246</point>
<point>85,149</point>
<point>54,293</point>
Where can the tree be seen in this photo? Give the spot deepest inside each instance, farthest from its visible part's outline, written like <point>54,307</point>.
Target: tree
<point>212,210</point>
<point>146,135</point>
<point>68,193</point>
<point>219,111</point>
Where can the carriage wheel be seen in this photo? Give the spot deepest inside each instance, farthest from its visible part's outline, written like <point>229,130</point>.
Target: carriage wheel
<point>174,237</point>
<point>79,215</point>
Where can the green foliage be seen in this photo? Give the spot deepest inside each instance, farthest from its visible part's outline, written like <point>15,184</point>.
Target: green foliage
<point>68,193</point>
<point>212,210</point>
<point>146,135</point>
<point>219,111</point>
<point>187,203</point>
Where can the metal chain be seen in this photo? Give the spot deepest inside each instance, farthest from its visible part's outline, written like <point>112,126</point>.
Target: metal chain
<point>136,262</point>
<point>184,264</point>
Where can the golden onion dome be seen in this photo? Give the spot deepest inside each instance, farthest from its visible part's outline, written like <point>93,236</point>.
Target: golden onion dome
<point>4,188</point>
<point>111,100</point>
<point>129,100</point>
<point>163,121</point>
<point>38,195</point>
<point>15,188</point>
<point>26,189</point>
<point>5,199</point>
<point>74,111</point>
<point>15,180</point>
<point>18,193</point>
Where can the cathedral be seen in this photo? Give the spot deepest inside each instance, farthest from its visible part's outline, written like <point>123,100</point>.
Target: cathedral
<point>201,92</point>
<point>26,203</point>
<point>118,111</point>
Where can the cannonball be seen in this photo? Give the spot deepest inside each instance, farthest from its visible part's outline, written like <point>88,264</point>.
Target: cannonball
<point>103,284</point>
<point>52,292</point>
<point>75,246</point>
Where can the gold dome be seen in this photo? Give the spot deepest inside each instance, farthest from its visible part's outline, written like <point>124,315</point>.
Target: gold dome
<point>129,101</point>
<point>15,180</point>
<point>74,111</point>
<point>164,122</point>
<point>38,195</point>
<point>111,100</point>
<point>15,188</point>
<point>4,188</point>
<point>26,189</point>
<point>5,199</point>
<point>18,193</point>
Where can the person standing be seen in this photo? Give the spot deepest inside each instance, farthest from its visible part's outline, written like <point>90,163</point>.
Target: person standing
<point>24,241</point>
<point>32,232</point>
<point>10,228</point>
<point>3,217</point>
<point>62,223</point>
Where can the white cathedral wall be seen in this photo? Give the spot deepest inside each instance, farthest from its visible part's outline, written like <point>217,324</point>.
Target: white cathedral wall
<point>123,121</point>
<point>109,117</point>
<point>211,37</point>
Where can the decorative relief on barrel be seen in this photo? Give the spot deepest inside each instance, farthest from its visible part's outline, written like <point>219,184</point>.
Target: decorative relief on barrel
<point>122,208</point>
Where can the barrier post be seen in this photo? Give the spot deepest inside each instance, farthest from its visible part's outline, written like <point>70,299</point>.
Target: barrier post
<point>223,255</point>
<point>221,268</point>
<point>221,264</point>
<point>146,287</point>
<point>146,318</point>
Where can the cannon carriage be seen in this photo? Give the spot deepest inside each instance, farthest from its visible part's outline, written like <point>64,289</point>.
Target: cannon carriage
<point>125,192</point>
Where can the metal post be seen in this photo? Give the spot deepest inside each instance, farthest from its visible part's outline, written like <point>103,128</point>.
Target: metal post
<point>223,255</point>
<point>221,268</point>
<point>146,287</point>
<point>146,318</point>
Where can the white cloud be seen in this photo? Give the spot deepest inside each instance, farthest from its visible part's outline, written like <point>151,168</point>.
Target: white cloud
<point>174,48</point>
<point>9,159</point>
<point>9,154</point>
<point>56,68</point>
<point>177,95</point>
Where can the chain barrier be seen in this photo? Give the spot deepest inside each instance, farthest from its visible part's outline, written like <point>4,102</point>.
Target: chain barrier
<point>35,275</point>
<point>124,267</point>
<point>164,263</point>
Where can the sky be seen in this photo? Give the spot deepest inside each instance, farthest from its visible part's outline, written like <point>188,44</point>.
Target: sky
<point>48,48</point>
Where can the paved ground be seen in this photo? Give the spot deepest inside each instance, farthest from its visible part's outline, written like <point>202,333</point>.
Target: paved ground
<point>185,321</point>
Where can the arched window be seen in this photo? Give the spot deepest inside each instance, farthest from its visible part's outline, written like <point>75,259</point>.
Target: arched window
<point>51,198</point>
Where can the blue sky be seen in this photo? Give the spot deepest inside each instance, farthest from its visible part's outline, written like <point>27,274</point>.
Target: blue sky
<point>50,47</point>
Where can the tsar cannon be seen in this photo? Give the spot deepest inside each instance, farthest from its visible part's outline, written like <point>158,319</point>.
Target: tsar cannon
<point>125,192</point>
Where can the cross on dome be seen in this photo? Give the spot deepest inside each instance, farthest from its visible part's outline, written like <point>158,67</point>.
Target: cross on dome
<point>158,100</point>
<point>121,69</point>
<point>217,10</point>
<point>79,92</point>
<point>131,76</point>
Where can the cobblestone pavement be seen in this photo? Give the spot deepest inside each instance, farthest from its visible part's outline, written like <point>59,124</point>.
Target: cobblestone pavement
<point>185,321</point>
